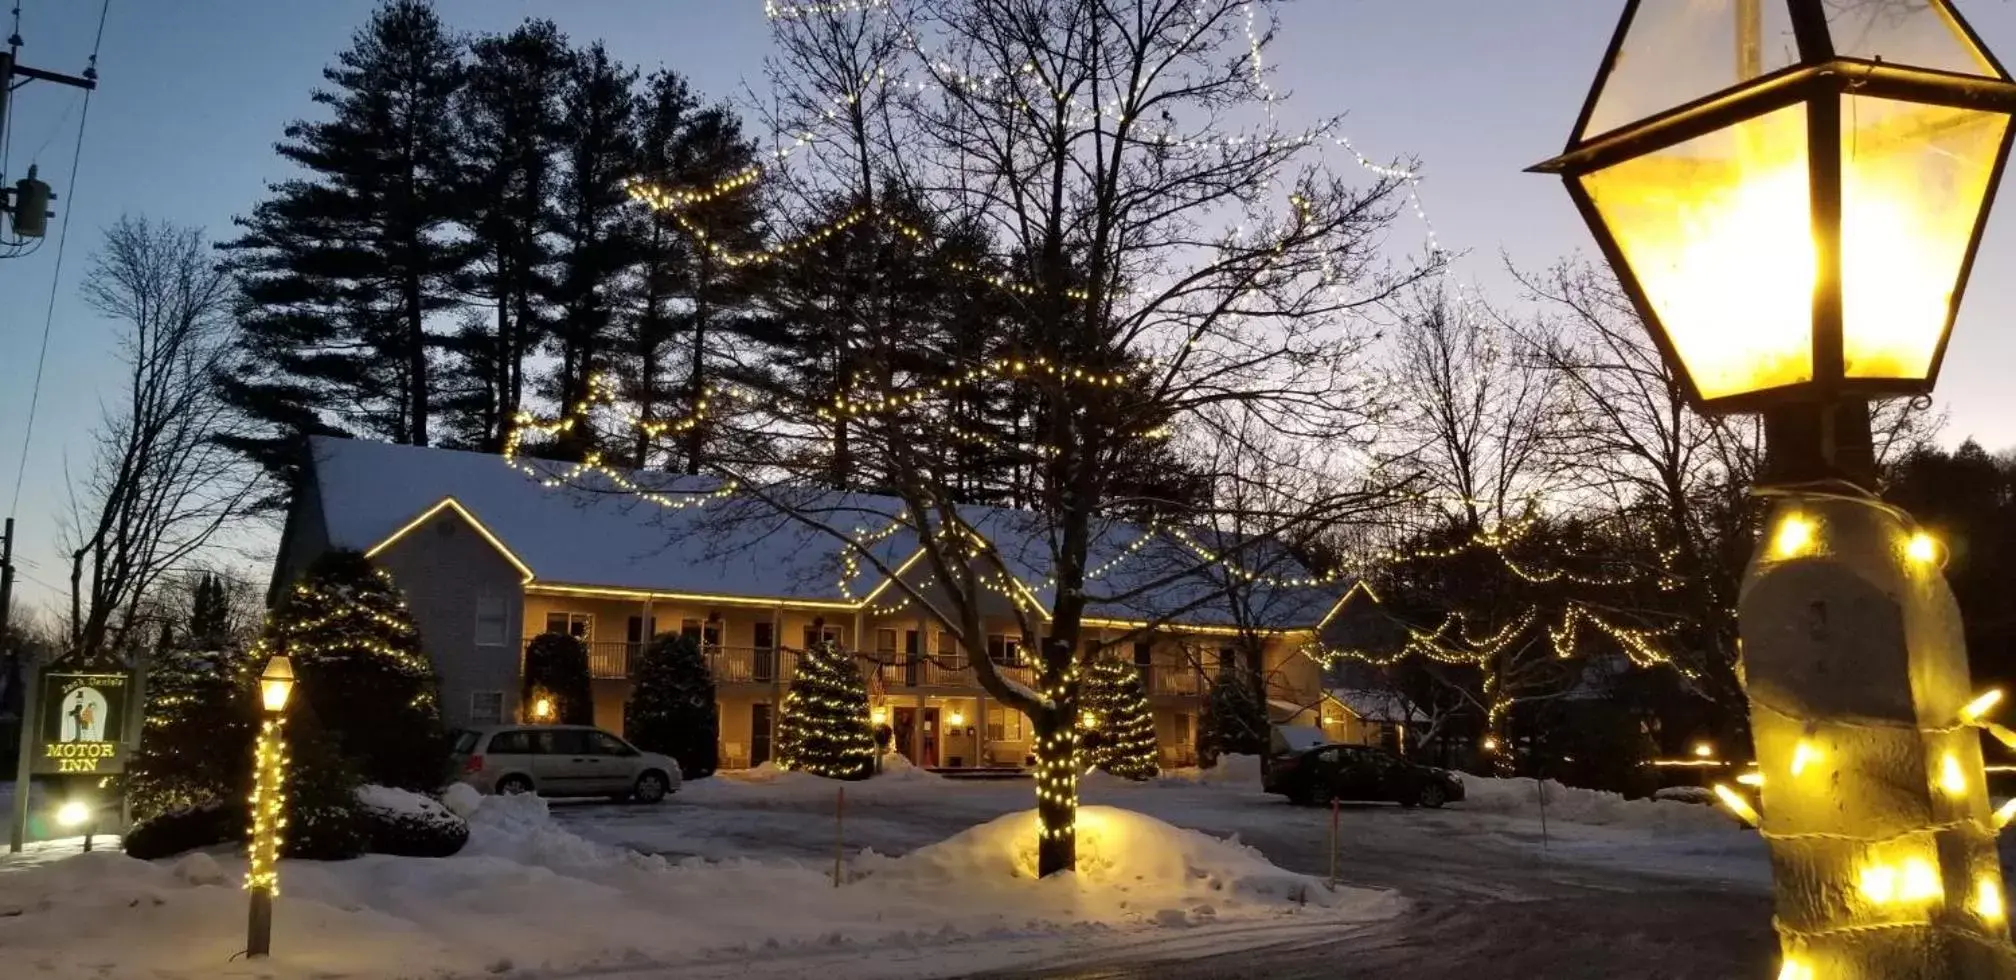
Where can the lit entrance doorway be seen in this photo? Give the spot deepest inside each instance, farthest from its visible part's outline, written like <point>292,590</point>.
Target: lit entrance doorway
<point>905,721</point>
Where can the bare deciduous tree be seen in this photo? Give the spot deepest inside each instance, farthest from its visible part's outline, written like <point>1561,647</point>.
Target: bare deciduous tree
<point>1176,263</point>
<point>160,486</point>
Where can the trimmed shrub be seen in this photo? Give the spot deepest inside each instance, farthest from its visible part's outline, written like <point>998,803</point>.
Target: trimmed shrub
<point>556,667</point>
<point>186,828</point>
<point>407,824</point>
<point>672,708</point>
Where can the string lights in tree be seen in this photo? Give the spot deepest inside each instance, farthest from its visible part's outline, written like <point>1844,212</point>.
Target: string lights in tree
<point>1117,727</point>
<point>823,726</point>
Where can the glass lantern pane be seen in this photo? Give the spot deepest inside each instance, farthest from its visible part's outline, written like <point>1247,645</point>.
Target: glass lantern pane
<point>1719,235</point>
<point>1914,33</point>
<point>1676,51</point>
<point>1913,181</point>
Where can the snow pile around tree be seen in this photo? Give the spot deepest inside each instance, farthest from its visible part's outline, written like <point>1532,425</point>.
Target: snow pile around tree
<point>1522,798</point>
<point>1130,866</point>
<point>529,897</point>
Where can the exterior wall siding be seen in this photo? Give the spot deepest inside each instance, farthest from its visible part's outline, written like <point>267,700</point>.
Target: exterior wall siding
<point>445,568</point>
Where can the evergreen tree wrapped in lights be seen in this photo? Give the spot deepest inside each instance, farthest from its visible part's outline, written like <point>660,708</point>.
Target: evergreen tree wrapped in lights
<point>1116,728</point>
<point>823,728</point>
<point>357,653</point>
<point>1236,716</point>
<point>672,709</point>
<point>198,733</point>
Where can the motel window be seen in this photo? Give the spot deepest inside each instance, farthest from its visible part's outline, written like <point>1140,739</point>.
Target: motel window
<point>578,625</point>
<point>1005,724</point>
<point>830,634</point>
<point>946,645</point>
<point>490,616</point>
<point>1004,650</point>
<point>765,636</point>
<point>1226,658</point>
<point>486,707</point>
<point>1144,653</point>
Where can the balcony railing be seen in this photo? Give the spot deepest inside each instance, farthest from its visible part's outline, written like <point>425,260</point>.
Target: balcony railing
<point>1180,679</point>
<point>614,659</point>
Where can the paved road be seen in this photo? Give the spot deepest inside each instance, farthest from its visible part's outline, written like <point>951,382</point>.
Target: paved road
<point>1485,903</point>
<point>1483,912</point>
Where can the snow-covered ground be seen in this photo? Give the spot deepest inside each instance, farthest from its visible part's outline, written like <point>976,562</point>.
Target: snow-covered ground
<point>532,897</point>
<point>764,812</point>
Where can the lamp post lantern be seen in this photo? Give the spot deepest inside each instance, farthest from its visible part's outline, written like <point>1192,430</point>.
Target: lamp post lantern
<point>1792,193</point>
<point>268,805</point>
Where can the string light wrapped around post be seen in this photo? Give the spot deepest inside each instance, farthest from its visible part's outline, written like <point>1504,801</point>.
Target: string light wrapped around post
<point>1795,219</point>
<point>268,805</point>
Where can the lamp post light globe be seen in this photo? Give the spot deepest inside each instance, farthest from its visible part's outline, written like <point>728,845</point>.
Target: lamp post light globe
<point>276,684</point>
<point>1792,193</point>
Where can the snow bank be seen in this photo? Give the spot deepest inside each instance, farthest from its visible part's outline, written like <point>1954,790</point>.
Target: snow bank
<point>461,799</point>
<point>1686,794</point>
<point>1522,797</point>
<point>527,897</point>
<point>897,766</point>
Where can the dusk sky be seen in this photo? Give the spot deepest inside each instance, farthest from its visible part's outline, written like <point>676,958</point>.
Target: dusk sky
<point>195,92</point>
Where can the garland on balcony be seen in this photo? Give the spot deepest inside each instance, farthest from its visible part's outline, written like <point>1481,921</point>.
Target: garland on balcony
<point>823,727</point>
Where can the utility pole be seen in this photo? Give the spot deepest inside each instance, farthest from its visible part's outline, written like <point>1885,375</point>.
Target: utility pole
<point>17,830</point>
<point>6,574</point>
<point>28,200</point>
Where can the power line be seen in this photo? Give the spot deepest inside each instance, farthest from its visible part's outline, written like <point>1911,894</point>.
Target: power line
<point>56,275</point>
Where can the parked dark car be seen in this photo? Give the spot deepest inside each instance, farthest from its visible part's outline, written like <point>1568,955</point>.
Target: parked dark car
<point>1357,772</point>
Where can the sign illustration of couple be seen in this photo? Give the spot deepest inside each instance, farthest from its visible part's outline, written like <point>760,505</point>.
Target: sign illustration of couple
<point>84,714</point>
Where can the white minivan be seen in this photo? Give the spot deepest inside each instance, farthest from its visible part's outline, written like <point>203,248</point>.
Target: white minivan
<point>561,760</point>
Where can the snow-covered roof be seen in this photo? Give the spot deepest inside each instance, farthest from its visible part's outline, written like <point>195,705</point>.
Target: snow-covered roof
<point>575,529</point>
<point>1378,705</point>
<point>588,536</point>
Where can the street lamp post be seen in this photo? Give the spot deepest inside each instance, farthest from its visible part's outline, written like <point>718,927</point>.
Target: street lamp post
<point>269,815</point>
<point>1792,193</point>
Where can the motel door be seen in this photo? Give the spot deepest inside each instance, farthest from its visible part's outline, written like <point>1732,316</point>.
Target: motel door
<point>759,734</point>
<point>905,725</point>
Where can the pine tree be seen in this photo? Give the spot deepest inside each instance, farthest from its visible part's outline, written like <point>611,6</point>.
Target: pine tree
<point>209,615</point>
<point>1117,730</point>
<point>340,268</point>
<point>361,670</point>
<point>556,670</point>
<point>1236,717</point>
<point>693,253</point>
<point>510,122</point>
<point>672,708</point>
<point>823,727</point>
<point>596,226</point>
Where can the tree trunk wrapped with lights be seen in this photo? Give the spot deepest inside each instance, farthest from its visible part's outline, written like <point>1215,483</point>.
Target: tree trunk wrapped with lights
<point>1056,725</point>
<point>1874,800</point>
